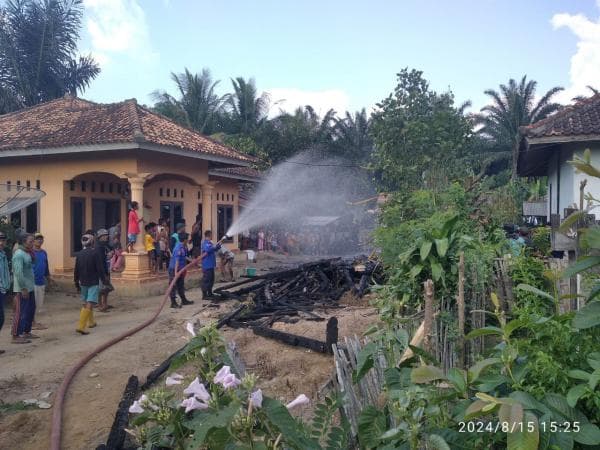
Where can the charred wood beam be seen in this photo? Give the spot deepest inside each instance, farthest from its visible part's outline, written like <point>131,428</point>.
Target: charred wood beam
<point>225,320</point>
<point>292,339</point>
<point>117,435</point>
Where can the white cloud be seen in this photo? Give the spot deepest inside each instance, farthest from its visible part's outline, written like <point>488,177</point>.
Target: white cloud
<point>118,27</point>
<point>288,99</point>
<point>585,63</point>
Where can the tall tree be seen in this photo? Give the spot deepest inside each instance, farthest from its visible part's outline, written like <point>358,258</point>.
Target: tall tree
<point>198,106</point>
<point>351,136</point>
<point>247,110</point>
<point>288,134</point>
<point>421,138</point>
<point>512,107</point>
<point>38,46</point>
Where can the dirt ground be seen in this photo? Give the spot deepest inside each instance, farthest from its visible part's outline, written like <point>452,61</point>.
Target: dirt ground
<point>35,370</point>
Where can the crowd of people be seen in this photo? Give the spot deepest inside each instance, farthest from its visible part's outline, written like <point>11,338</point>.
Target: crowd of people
<point>25,275</point>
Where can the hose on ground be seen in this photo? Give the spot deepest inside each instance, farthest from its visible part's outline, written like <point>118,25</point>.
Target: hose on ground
<point>55,436</point>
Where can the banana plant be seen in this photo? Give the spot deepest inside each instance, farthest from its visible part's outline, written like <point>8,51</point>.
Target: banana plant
<point>430,254</point>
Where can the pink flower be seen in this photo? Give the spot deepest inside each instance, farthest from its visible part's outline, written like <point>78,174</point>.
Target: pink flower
<point>190,404</point>
<point>256,399</point>
<point>231,381</point>
<point>190,328</point>
<point>221,374</point>
<point>136,408</point>
<point>300,400</point>
<point>198,390</point>
<point>172,381</point>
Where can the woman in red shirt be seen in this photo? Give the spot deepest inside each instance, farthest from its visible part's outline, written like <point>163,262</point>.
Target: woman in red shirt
<point>133,226</point>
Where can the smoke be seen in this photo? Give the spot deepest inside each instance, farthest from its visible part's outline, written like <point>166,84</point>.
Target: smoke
<point>308,193</point>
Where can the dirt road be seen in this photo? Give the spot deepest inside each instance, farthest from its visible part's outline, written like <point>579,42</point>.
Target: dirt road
<point>29,371</point>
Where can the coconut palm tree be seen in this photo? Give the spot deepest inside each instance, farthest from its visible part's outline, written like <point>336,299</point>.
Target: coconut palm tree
<point>38,46</point>
<point>247,110</point>
<point>197,106</point>
<point>512,107</point>
<point>352,138</point>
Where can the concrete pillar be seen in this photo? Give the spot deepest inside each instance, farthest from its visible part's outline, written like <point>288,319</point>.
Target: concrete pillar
<point>207,208</point>
<point>136,263</point>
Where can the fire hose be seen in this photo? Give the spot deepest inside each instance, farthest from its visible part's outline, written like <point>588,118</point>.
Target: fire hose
<point>55,436</point>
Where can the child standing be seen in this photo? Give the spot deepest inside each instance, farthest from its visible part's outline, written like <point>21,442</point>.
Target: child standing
<point>133,226</point>
<point>149,246</point>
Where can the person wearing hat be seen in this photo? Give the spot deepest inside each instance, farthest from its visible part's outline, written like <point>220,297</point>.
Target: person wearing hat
<point>41,276</point>
<point>178,262</point>
<point>23,288</point>
<point>104,251</point>
<point>89,271</point>
<point>4,278</point>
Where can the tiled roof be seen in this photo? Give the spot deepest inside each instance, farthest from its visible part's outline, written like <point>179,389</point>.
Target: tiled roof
<point>72,121</point>
<point>245,172</point>
<point>579,119</point>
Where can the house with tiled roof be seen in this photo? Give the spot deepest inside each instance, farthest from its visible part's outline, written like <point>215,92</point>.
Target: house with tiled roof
<point>549,144</point>
<point>93,159</point>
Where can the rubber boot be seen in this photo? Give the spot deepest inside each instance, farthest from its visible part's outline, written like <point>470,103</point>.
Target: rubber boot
<point>91,322</point>
<point>84,316</point>
<point>185,301</point>
<point>174,304</point>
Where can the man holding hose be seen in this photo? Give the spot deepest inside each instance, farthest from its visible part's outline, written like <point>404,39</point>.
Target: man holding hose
<point>209,262</point>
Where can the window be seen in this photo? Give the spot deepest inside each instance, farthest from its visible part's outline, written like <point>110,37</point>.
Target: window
<point>110,188</point>
<point>72,185</point>
<point>31,218</point>
<point>77,223</point>
<point>160,192</point>
<point>83,186</point>
<point>105,213</point>
<point>93,186</point>
<point>181,193</point>
<point>224,220</point>
<point>37,184</point>
<point>168,192</point>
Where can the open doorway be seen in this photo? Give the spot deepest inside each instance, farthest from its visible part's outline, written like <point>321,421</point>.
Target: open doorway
<point>172,212</point>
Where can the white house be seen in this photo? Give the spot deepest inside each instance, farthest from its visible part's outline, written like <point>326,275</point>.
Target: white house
<point>550,143</point>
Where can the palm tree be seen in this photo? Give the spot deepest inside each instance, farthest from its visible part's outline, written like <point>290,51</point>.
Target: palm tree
<point>593,91</point>
<point>352,137</point>
<point>248,111</point>
<point>197,106</point>
<point>511,108</point>
<point>38,45</point>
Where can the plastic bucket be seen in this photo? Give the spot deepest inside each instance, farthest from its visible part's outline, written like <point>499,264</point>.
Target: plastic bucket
<point>251,271</point>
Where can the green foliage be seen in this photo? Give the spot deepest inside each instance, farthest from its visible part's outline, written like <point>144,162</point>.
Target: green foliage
<point>420,136</point>
<point>38,52</point>
<point>512,107</point>
<point>540,237</point>
<point>229,420</point>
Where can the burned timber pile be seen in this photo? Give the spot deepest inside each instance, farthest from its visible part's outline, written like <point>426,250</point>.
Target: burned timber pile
<point>292,295</point>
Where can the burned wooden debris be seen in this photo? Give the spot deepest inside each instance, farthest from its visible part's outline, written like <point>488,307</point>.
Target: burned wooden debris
<point>292,295</point>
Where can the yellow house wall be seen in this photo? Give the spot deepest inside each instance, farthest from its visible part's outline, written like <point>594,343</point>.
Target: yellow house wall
<point>54,207</point>
<point>55,173</point>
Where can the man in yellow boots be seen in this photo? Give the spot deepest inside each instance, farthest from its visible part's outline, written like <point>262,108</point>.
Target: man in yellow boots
<point>89,271</point>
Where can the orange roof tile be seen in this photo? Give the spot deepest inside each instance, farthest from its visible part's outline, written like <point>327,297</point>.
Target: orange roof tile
<point>70,121</point>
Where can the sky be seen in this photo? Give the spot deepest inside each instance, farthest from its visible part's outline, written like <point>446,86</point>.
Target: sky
<point>342,54</point>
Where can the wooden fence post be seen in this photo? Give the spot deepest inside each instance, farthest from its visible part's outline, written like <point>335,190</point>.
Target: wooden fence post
<point>428,320</point>
<point>461,310</point>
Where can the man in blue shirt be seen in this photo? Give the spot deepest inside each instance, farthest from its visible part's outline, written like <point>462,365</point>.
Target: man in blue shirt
<point>178,262</point>
<point>209,262</point>
<point>41,277</point>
